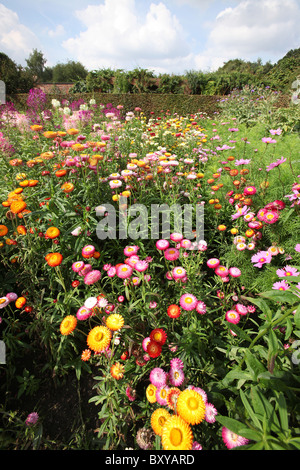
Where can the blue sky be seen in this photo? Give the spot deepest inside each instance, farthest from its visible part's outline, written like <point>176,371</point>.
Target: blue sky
<point>166,36</point>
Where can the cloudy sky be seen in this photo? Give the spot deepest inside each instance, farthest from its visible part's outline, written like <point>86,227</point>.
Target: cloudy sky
<point>165,36</point>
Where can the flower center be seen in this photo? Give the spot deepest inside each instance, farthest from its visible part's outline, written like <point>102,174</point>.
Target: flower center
<point>99,336</point>
<point>176,437</point>
<point>192,403</point>
<point>161,420</point>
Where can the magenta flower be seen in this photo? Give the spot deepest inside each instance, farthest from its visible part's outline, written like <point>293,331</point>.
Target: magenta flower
<point>231,439</point>
<point>232,316</point>
<point>281,285</point>
<point>261,258</point>
<point>32,418</point>
<point>287,271</point>
<point>268,140</point>
<point>92,277</point>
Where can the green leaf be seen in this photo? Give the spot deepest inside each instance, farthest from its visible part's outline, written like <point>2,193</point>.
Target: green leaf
<point>281,296</point>
<point>254,365</point>
<point>283,415</point>
<point>232,424</point>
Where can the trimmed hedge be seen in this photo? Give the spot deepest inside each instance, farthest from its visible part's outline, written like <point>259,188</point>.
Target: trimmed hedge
<point>149,103</point>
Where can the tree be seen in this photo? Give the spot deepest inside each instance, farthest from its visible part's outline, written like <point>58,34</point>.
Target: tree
<point>16,79</point>
<point>70,72</point>
<point>36,64</point>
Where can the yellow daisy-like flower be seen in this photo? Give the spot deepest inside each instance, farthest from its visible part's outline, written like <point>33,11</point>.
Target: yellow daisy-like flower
<point>99,338</point>
<point>151,393</point>
<point>190,406</point>
<point>158,420</point>
<point>68,325</point>
<point>114,321</point>
<point>176,434</point>
<point>117,371</point>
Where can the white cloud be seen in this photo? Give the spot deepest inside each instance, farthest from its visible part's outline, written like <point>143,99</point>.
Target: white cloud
<point>16,40</point>
<point>116,37</point>
<point>58,31</point>
<point>255,28</point>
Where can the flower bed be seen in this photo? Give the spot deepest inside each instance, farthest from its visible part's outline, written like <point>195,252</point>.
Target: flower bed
<point>187,323</point>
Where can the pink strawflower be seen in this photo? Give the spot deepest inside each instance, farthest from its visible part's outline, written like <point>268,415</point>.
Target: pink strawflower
<point>141,266</point>
<point>130,393</point>
<point>176,363</point>
<point>213,263</point>
<point>196,446</point>
<point>92,277</point>
<point>11,296</point>
<point>162,244</point>
<point>270,217</point>
<point>87,268</point>
<point>83,313</point>
<point>232,440</point>
<point>222,271</point>
<point>232,316</point>
<point>77,266</point>
<point>251,308</point>
<point>161,395</point>
<point>188,301</point>
<point>210,413</point>
<point>178,273</point>
<point>124,271</point>
<point>185,243</point>
<point>131,250</point>
<point>176,377</point>
<point>241,309</point>
<point>249,190</point>
<point>145,343</point>
<point>88,251</point>
<point>176,237</point>
<point>158,377</point>
<point>111,272</point>
<point>201,307</point>
<point>32,418</point>
<point>234,272</point>
<point>171,254</point>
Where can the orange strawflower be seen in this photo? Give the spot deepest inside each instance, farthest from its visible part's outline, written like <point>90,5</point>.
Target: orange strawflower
<point>54,259</point>
<point>117,371</point>
<point>18,206</point>
<point>20,302</point>
<point>3,230</point>
<point>21,229</point>
<point>86,354</point>
<point>67,187</point>
<point>52,232</point>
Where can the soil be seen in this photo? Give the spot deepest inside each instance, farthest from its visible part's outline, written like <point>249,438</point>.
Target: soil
<point>69,421</point>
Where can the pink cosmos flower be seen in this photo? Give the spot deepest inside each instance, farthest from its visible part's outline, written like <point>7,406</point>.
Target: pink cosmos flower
<point>261,258</point>
<point>231,439</point>
<point>287,271</point>
<point>297,247</point>
<point>280,285</point>
<point>241,211</point>
<point>268,140</point>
